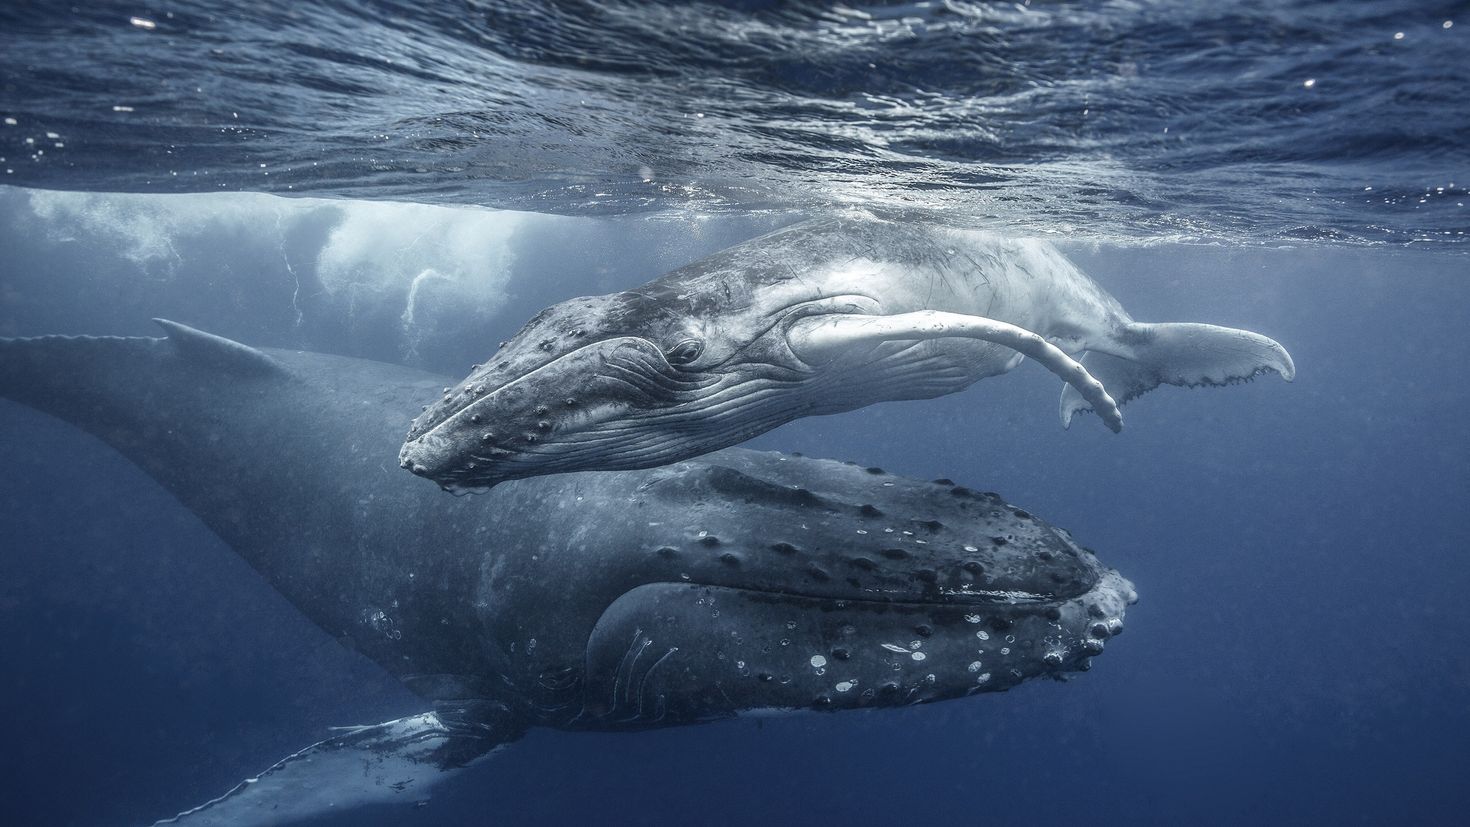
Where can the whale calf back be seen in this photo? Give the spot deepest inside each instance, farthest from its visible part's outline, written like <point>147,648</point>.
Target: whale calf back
<point>741,582</point>
<point>817,318</point>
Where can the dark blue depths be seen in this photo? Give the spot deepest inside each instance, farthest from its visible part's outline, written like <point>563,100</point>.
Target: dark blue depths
<point>1296,658</point>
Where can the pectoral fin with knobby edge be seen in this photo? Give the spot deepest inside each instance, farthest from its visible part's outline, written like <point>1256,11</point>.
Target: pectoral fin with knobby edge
<point>394,762</point>
<point>819,339</point>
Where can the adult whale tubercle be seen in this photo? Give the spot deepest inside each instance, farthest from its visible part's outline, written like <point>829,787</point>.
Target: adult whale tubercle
<point>817,318</point>
<point>741,582</point>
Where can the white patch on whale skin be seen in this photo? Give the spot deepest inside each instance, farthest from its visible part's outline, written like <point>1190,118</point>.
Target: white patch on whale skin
<point>392,761</point>
<point>1000,595</point>
<point>767,712</point>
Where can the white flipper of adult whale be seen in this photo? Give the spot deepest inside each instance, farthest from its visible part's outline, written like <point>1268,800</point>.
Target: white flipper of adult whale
<point>394,762</point>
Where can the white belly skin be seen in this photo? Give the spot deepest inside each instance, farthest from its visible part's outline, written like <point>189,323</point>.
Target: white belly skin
<point>1025,282</point>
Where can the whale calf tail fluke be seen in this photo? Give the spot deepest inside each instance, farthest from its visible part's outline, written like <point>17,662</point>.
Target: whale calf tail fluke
<point>1139,357</point>
<point>394,762</point>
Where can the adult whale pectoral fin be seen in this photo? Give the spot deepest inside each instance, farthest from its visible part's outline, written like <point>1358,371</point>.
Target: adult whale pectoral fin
<point>396,761</point>
<point>1139,357</point>
<point>818,339</point>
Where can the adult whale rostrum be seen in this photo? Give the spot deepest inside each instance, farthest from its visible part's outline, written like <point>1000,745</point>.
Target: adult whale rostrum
<point>740,582</point>
<point>817,318</point>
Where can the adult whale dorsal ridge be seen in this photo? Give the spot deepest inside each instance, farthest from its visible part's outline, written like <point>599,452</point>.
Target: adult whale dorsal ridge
<point>208,349</point>
<point>817,318</point>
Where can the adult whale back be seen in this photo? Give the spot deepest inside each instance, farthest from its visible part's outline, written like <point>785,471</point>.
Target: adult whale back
<point>744,581</point>
<point>817,318</point>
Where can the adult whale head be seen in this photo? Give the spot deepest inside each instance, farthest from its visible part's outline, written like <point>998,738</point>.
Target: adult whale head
<point>742,582</point>
<point>817,318</point>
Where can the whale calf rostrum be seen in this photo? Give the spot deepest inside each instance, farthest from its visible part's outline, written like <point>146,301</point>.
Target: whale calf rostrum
<point>817,318</point>
<point>740,582</point>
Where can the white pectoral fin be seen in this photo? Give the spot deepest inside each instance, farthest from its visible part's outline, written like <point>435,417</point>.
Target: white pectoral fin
<point>819,339</point>
<point>1139,357</point>
<point>397,761</point>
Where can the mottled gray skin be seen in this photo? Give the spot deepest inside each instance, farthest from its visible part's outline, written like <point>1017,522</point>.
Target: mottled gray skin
<point>693,592</point>
<point>719,351</point>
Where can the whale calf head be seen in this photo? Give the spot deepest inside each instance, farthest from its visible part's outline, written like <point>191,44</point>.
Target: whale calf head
<point>617,382</point>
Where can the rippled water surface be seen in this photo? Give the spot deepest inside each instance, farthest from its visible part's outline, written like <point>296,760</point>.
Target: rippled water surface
<point>1249,122</point>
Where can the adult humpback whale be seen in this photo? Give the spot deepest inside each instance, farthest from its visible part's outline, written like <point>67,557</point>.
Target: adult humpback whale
<point>817,318</point>
<point>744,581</point>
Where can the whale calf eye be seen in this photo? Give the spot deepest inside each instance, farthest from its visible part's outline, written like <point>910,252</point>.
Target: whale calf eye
<point>684,352</point>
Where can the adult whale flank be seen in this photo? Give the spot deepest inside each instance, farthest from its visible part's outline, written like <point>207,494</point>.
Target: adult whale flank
<point>817,318</point>
<point>740,582</point>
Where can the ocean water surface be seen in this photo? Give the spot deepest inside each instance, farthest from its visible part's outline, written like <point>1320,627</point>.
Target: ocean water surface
<point>410,182</point>
<point>1241,121</point>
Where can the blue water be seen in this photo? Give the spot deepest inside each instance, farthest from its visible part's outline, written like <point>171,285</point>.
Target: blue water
<point>1297,654</point>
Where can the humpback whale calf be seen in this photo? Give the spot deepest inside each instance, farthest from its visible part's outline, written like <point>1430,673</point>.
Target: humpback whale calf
<point>740,582</point>
<point>817,318</point>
